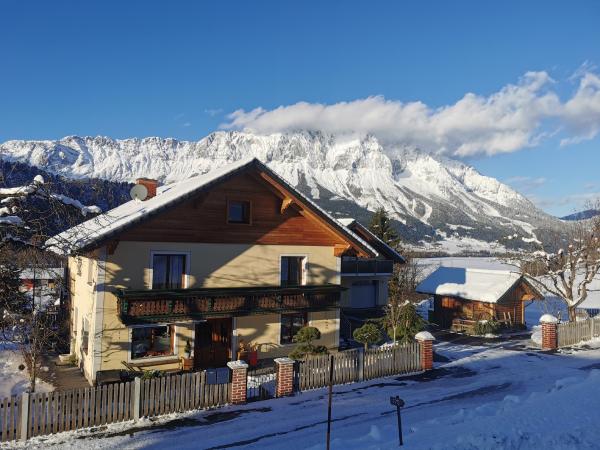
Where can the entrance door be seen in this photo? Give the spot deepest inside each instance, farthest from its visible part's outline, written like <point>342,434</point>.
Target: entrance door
<point>212,345</point>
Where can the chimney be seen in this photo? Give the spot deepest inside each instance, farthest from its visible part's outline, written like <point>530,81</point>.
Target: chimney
<point>149,184</point>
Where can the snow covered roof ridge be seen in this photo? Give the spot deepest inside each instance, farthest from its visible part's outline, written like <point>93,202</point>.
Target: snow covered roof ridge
<point>485,285</point>
<point>106,225</point>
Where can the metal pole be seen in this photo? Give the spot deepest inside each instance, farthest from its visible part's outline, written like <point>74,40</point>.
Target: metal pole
<point>399,425</point>
<point>329,402</point>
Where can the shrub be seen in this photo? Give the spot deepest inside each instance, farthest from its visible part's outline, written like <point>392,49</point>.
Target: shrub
<point>367,334</point>
<point>484,327</point>
<point>304,338</point>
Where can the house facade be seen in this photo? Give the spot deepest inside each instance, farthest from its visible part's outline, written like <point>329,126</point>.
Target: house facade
<point>464,296</point>
<point>195,271</point>
<point>366,280</point>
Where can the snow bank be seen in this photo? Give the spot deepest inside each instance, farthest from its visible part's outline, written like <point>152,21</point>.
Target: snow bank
<point>12,380</point>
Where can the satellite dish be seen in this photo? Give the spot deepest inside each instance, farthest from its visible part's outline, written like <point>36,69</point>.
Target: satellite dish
<point>139,192</point>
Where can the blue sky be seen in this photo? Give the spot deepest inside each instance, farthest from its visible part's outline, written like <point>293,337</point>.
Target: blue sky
<point>149,68</point>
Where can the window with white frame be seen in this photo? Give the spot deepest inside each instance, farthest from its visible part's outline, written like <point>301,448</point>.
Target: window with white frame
<point>152,341</point>
<point>292,270</point>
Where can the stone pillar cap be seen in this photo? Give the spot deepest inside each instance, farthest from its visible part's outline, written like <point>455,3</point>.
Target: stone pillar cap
<point>424,336</point>
<point>284,360</point>
<point>237,364</point>
<point>548,318</point>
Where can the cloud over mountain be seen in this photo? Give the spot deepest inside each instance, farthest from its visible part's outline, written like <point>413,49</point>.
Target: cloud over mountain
<point>515,117</point>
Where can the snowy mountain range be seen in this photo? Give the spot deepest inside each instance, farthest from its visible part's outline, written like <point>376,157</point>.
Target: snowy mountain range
<point>437,203</point>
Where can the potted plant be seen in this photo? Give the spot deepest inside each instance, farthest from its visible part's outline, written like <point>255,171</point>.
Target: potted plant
<point>242,353</point>
<point>187,360</point>
<point>253,355</point>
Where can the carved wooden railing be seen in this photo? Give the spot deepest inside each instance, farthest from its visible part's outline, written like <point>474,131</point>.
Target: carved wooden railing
<point>157,305</point>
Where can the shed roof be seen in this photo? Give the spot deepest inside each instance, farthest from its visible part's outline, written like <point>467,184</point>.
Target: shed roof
<point>471,284</point>
<point>92,233</point>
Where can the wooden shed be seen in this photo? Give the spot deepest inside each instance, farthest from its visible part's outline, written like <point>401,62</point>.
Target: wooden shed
<point>464,296</point>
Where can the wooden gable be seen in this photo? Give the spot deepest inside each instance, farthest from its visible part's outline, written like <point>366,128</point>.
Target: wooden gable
<point>277,217</point>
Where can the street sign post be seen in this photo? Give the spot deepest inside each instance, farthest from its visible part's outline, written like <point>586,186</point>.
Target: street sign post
<point>398,403</point>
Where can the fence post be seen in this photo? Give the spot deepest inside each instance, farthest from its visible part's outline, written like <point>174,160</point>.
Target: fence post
<point>361,364</point>
<point>549,332</point>
<point>137,397</point>
<point>24,431</point>
<point>239,381</point>
<point>425,340</point>
<point>285,376</point>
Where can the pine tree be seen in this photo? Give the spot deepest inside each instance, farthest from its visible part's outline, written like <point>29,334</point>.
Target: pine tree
<point>304,338</point>
<point>381,227</point>
<point>367,334</point>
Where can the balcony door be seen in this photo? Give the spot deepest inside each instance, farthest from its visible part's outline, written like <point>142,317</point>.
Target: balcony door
<point>212,343</point>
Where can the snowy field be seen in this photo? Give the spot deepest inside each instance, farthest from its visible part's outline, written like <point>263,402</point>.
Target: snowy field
<point>487,396</point>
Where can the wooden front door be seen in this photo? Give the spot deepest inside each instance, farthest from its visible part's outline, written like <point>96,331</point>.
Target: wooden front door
<point>212,344</point>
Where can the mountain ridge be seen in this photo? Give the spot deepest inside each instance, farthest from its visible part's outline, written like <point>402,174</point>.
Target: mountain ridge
<point>437,202</point>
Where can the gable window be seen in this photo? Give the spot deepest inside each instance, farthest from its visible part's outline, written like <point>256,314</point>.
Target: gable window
<point>290,325</point>
<point>168,271</point>
<point>292,270</point>
<point>147,342</point>
<point>238,211</point>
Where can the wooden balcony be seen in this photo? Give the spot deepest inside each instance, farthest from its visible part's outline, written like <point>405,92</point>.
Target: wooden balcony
<point>363,266</point>
<point>153,306</point>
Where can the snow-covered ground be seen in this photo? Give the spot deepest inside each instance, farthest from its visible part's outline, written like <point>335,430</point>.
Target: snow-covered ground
<point>489,396</point>
<point>12,380</point>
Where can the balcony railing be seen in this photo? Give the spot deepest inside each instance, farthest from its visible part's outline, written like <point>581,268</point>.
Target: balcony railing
<point>147,306</point>
<point>366,266</point>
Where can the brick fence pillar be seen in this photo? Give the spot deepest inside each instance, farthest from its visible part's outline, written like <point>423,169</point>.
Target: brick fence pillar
<point>239,380</point>
<point>425,340</point>
<point>285,376</point>
<point>549,332</point>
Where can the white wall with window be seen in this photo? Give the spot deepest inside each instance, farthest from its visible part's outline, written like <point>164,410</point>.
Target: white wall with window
<point>292,270</point>
<point>169,269</point>
<point>153,341</point>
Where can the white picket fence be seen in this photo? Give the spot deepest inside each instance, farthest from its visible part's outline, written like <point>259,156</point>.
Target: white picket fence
<point>571,333</point>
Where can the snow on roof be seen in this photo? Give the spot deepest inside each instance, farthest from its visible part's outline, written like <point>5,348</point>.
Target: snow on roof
<point>103,226</point>
<point>472,284</point>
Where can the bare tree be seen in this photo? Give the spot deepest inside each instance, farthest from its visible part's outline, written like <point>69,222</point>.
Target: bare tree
<point>568,272</point>
<point>400,314</point>
<point>28,216</point>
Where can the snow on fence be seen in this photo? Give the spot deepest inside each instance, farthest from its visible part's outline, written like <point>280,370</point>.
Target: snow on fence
<point>358,365</point>
<point>571,333</point>
<point>53,412</point>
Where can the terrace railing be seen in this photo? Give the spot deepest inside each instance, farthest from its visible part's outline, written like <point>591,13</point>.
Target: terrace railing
<point>157,305</point>
<point>360,266</point>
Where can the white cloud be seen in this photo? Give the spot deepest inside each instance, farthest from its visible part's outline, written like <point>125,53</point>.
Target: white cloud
<point>517,116</point>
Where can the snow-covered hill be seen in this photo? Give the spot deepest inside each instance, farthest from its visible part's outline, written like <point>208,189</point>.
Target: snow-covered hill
<point>436,201</point>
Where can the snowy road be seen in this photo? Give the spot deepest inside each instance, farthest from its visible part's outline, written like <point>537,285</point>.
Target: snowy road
<point>486,396</point>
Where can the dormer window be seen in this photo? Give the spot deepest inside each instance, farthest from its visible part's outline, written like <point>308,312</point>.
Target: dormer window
<point>238,211</point>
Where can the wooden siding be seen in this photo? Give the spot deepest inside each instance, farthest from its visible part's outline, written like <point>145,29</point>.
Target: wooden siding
<point>204,219</point>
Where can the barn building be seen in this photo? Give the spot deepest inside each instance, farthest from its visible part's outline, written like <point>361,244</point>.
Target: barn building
<point>463,296</point>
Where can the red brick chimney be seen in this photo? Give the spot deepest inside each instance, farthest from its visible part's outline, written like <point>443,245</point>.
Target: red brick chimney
<point>150,185</point>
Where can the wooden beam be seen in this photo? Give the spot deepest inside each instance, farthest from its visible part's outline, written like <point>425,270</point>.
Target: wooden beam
<point>111,246</point>
<point>285,204</point>
<point>340,250</point>
<point>305,210</point>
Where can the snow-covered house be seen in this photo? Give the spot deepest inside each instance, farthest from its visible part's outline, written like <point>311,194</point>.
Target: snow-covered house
<point>463,296</point>
<point>199,266</point>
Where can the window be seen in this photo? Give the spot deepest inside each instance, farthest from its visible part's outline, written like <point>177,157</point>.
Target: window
<point>168,271</point>
<point>238,211</point>
<point>292,270</point>
<point>290,325</point>
<point>154,341</point>
<point>85,335</point>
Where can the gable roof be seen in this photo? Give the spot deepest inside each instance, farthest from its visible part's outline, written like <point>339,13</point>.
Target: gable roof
<point>94,232</point>
<point>471,284</point>
<point>381,246</point>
